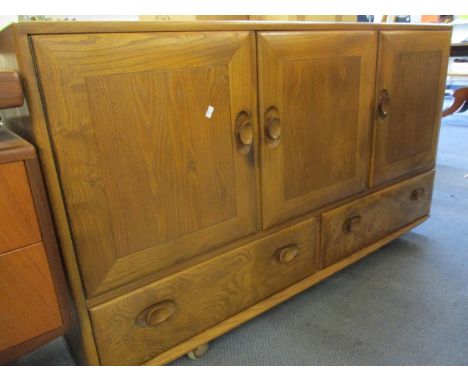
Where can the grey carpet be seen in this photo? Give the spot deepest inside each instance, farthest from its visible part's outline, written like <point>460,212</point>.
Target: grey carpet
<point>407,304</point>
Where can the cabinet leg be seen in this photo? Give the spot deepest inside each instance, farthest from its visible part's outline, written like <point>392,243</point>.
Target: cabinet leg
<point>198,352</point>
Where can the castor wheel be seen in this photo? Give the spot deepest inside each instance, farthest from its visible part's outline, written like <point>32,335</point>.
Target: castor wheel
<point>198,352</point>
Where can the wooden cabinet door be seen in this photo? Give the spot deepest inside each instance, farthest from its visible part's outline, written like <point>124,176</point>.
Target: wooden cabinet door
<point>412,67</point>
<point>154,138</point>
<point>315,101</point>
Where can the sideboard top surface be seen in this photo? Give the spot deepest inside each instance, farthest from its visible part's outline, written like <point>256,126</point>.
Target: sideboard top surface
<point>47,27</point>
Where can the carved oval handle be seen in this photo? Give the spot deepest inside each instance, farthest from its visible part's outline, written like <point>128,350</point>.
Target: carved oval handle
<point>287,254</point>
<point>244,132</point>
<point>155,314</point>
<point>272,126</point>
<point>417,193</point>
<point>384,103</point>
<point>350,224</point>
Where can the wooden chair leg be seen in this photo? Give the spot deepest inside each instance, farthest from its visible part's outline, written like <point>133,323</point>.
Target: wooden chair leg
<point>460,102</point>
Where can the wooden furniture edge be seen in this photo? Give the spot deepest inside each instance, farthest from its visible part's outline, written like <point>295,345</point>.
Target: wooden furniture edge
<point>66,27</point>
<point>15,148</point>
<point>83,341</point>
<point>41,204</point>
<point>276,299</point>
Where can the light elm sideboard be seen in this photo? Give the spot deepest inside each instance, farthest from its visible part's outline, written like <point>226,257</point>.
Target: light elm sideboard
<point>202,173</point>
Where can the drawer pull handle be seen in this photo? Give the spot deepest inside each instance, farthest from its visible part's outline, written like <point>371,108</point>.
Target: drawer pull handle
<point>350,224</point>
<point>384,103</point>
<point>244,132</point>
<point>272,127</point>
<point>417,193</point>
<point>287,254</point>
<point>155,314</point>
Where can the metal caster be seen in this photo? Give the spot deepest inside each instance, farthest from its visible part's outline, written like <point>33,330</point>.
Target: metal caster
<point>198,352</point>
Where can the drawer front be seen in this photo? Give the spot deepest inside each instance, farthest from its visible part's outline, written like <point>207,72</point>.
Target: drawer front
<point>19,226</point>
<point>358,224</point>
<point>28,302</point>
<point>142,324</point>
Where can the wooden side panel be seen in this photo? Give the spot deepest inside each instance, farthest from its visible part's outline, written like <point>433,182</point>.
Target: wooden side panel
<point>202,296</point>
<point>28,303</point>
<point>17,213</point>
<point>151,176</point>
<point>320,87</point>
<point>358,224</point>
<point>412,71</point>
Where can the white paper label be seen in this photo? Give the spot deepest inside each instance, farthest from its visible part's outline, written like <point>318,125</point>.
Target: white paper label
<point>209,112</point>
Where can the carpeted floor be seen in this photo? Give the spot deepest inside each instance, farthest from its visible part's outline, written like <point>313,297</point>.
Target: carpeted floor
<point>407,304</point>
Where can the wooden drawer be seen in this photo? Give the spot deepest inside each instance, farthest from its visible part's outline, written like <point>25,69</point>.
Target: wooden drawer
<point>17,213</point>
<point>28,303</point>
<point>142,324</point>
<point>358,224</point>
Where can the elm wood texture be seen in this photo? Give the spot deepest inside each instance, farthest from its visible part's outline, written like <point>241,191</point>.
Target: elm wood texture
<point>38,263</point>
<point>202,296</point>
<point>11,92</point>
<point>276,299</point>
<point>35,28</point>
<point>148,179</point>
<point>378,215</point>
<point>19,225</point>
<point>29,304</point>
<point>16,53</point>
<point>412,68</point>
<point>321,84</point>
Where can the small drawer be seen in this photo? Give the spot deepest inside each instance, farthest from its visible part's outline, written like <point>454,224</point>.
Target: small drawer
<point>135,327</point>
<point>17,212</point>
<point>355,225</point>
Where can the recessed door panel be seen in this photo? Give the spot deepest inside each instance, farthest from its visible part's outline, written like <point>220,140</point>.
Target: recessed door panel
<point>410,88</point>
<point>315,98</point>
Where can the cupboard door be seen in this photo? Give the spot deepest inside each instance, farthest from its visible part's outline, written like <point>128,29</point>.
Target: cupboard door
<point>410,89</point>
<point>154,137</point>
<point>315,102</point>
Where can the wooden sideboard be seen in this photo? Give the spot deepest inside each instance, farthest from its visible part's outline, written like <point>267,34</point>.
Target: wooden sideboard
<point>201,173</point>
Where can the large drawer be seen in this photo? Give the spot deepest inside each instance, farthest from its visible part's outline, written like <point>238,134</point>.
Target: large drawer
<point>358,224</point>
<point>144,323</point>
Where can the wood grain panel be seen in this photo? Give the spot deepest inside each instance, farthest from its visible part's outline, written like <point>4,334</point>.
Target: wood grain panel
<point>313,135</point>
<point>202,296</point>
<point>412,68</point>
<point>28,303</point>
<point>358,224</point>
<point>17,212</point>
<point>180,178</point>
<point>149,181</point>
<point>321,85</point>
